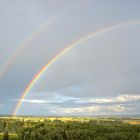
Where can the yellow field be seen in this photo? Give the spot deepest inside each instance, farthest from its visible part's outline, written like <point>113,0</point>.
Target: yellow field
<point>79,119</point>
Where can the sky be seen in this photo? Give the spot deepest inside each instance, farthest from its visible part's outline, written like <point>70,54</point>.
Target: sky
<point>100,76</point>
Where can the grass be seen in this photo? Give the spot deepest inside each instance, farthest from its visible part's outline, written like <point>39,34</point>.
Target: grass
<point>11,137</point>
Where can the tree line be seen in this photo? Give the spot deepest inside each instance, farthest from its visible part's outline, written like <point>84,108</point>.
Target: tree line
<point>58,130</point>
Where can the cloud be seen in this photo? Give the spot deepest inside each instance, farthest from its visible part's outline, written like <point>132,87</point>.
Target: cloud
<point>63,99</point>
<point>90,110</point>
<point>118,99</point>
<point>117,108</point>
<point>34,101</point>
<point>54,99</point>
<point>58,104</point>
<point>69,105</point>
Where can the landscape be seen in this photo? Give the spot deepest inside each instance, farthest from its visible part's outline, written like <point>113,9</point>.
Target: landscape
<point>69,70</point>
<point>69,128</point>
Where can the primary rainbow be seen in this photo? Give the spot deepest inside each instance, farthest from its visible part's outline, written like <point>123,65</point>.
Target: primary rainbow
<point>64,51</point>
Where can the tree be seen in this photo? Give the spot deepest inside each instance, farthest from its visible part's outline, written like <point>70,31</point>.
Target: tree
<point>5,135</point>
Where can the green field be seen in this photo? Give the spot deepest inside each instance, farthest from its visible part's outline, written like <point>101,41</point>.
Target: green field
<point>11,137</point>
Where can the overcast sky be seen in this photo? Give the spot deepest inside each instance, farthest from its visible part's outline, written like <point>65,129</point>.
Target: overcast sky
<point>99,77</point>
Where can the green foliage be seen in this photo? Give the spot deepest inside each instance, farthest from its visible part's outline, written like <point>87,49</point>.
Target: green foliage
<point>73,130</point>
<point>5,135</point>
<point>80,131</point>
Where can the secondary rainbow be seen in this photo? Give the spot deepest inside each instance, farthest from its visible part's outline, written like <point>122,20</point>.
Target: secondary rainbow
<point>64,51</point>
<point>24,45</point>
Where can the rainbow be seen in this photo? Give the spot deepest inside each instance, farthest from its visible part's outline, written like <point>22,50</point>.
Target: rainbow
<point>23,46</point>
<point>64,51</point>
